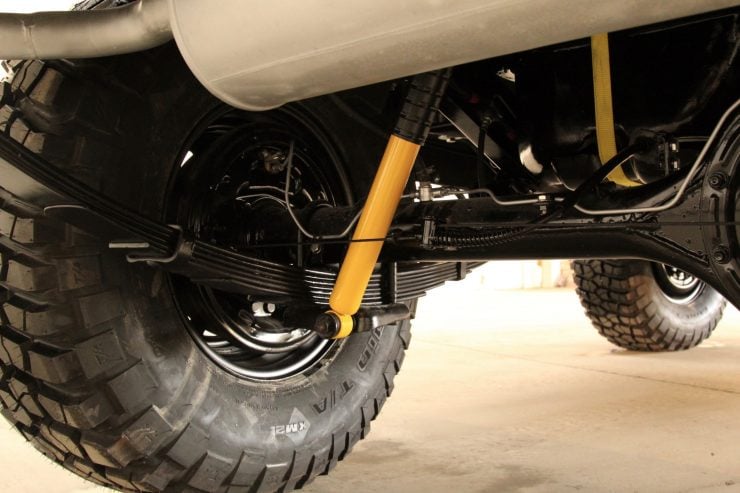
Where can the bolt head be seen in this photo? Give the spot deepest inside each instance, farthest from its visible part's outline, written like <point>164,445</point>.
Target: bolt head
<point>327,325</point>
<point>274,161</point>
<point>721,255</point>
<point>717,180</point>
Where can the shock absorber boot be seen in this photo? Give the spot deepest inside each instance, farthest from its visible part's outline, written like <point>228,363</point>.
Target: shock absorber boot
<point>421,105</point>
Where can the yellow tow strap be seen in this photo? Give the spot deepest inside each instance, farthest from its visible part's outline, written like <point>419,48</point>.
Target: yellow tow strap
<point>605,137</point>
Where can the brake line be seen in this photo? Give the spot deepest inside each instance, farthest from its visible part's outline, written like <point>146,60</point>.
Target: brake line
<point>286,193</point>
<point>684,185</point>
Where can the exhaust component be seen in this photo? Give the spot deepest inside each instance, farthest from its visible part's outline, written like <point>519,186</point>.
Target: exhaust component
<point>85,33</point>
<point>259,55</point>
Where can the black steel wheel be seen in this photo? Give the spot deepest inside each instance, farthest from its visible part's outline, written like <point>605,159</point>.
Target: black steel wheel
<point>232,175</point>
<point>645,306</point>
<point>143,381</point>
<point>678,286</point>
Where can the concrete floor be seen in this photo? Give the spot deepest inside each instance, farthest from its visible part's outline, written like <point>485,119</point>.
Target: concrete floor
<point>513,391</point>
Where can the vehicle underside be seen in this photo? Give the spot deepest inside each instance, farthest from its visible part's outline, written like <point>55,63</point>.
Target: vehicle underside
<point>209,261</point>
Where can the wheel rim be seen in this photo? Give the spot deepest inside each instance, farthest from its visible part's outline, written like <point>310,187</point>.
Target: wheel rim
<point>231,164</point>
<point>677,285</point>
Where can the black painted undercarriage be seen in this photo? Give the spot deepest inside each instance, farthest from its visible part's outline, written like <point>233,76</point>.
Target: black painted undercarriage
<point>513,150</point>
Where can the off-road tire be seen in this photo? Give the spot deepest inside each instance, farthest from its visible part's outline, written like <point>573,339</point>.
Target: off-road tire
<point>96,369</point>
<point>627,306</point>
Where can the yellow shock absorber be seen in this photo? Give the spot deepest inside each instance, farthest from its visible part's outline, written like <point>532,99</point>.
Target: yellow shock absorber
<point>358,265</point>
<point>417,115</point>
<point>605,137</point>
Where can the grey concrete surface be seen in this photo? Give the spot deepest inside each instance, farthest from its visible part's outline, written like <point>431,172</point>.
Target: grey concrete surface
<point>513,391</point>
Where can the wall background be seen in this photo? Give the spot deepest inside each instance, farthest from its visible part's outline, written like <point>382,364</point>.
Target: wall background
<point>527,274</point>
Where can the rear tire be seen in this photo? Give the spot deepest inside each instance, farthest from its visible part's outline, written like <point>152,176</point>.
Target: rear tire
<point>97,369</point>
<point>635,306</point>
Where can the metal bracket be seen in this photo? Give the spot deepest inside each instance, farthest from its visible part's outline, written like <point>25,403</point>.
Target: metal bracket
<point>370,318</point>
<point>330,325</point>
<point>183,251</point>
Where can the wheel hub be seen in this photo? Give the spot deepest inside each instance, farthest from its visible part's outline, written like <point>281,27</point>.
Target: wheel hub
<point>228,191</point>
<point>677,285</point>
<point>719,205</point>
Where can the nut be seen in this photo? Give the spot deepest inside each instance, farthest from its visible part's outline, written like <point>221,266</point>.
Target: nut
<point>717,180</point>
<point>721,255</point>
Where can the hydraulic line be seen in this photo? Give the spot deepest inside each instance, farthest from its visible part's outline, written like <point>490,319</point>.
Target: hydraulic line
<point>603,106</point>
<point>692,174</point>
<point>474,239</point>
<point>419,111</point>
<point>457,238</point>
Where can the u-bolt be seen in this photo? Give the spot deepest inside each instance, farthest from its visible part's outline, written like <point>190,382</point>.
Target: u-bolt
<point>416,117</point>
